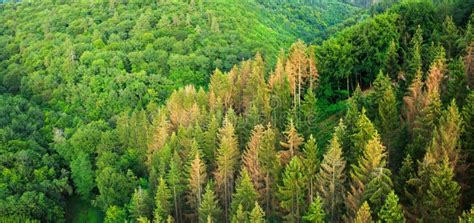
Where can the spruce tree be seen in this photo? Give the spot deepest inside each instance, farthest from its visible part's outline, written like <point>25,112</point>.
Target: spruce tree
<point>364,132</point>
<point>311,165</point>
<point>197,179</point>
<point>309,114</point>
<point>391,211</point>
<point>245,193</point>
<point>227,160</point>
<point>292,190</point>
<point>162,200</point>
<point>292,144</point>
<point>257,215</point>
<point>239,215</point>
<point>176,184</point>
<point>364,214</point>
<point>315,213</point>
<point>140,205</point>
<point>331,179</point>
<point>251,159</point>
<point>388,121</point>
<point>209,207</point>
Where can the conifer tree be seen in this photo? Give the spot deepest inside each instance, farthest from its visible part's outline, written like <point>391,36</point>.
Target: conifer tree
<point>315,213</point>
<point>370,169</point>
<point>467,137</point>
<point>308,114</point>
<point>227,160</point>
<point>251,159</point>
<point>196,181</point>
<point>270,168</point>
<point>240,215</point>
<point>331,179</point>
<point>209,208</point>
<point>364,132</point>
<point>292,144</point>
<point>389,125</point>
<point>162,200</point>
<point>415,62</point>
<point>442,194</point>
<point>292,190</point>
<point>280,95</point>
<point>391,61</point>
<point>311,165</point>
<point>391,211</point>
<point>245,193</point>
<point>210,141</point>
<point>450,35</point>
<point>140,204</point>
<point>176,185</point>
<point>364,214</point>
<point>413,101</point>
<point>257,215</point>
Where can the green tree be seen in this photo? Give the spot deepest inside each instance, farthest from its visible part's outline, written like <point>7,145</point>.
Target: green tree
<point>245,193</point>
<point>227,160</point>
<point>292,190</point>
<point>315,213</point>
<point>257,215</point>
<point>311,165</point>
<point>292,144</point>
<point>209,207</point>
<point>163,198</point>
<point>391,211</point>
<point>115,214</point>
<point>364,132</point>
<point>309,114</point>
<point>240,215</point>
<point>176,184</point>
<point>114,187</point>
<point>140,204</point>
<point>389,125</point>
<point>196,181</point>
<point>82,175</point>
<point>331,179</point>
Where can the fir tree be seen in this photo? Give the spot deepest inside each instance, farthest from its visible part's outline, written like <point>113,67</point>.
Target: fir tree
<point>251,159</point>
<point>227,160</point>
<point>292,190</point>
<point>196,181</point>
<point>364,214</point>
<point>391,211</point>
<point>209,208</point>
<point>240,215</point>
<point>315,213</point>
<point>140,204</point>
<point>292,144</point>
<point>311,165</point>
<point>176,185</point>
<point>331,179</point>
<point>308,114</point>
<point>364,132</point>
<point>245,194</point>
<point>389,124</point>
<point>257,215</point>
<point>162,200</point>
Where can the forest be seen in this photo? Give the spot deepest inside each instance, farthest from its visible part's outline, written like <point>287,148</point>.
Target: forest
<point>144,111</point>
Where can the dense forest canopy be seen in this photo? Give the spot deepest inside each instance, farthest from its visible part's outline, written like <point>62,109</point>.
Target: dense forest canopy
<point>237,111</point>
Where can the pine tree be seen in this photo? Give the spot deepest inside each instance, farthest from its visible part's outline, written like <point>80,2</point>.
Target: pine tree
<point>280,95</point>
<point>331,179</point>
<point>364,132</point>
<point>442,195</point>
<point>257,215</point>
<point>371,166</point>
<point>210,141</point>
<point>311,165</point>
<point>415,64</point>
<point>308,116</point>
<point>270,168</point>
<point>315,212</point>
<point>389,125</point>
<point>140,204</point>
<point>240,215</point>
<point>413,101</point>
<point>292,144</point>
<point>176,185</point>
<point>364,214</point>
<point>292,190</point>
<point>251,158</point>
<point>196,181</point>
<point>450,35</point>
<point>245,193</point>
<point>162,200</point>
<point>209,208</point>
<point>227,160</point>
<point>391,211</point>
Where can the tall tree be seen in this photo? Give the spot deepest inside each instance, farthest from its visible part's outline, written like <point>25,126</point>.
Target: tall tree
<point>176,184</point>
<point>315,212</point>
<point>292,144</point>
<point>364,132</point>
<point>331,179</point>
<point>251,159</point>
<point>140,204</point>
<point>240,215</point>
<point>245,193</point>
<point>163,203</point>
<point>311,165</point>
<point>257,215</point>
<point>270,168</point>
<point>309,114</point>
<point>391,211</point>
<point>364,214</point>
<point>227,160</point>
<point>82,175</point>
<point>196,181</point>
<point>292,190</point>
<point>209,207</point>
<point>280,95</point>
<point>389,125</point>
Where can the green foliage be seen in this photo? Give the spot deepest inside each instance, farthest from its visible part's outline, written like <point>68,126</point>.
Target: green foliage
<point>315,213</point>
<point>115,214</point>
<point>81,172</point>
<point>391,211</point>
<point>292,190</point>
<point>209,208</point>
<point>245,194</point>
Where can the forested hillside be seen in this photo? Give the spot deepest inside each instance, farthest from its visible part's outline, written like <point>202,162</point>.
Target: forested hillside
<point>214,111</point>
